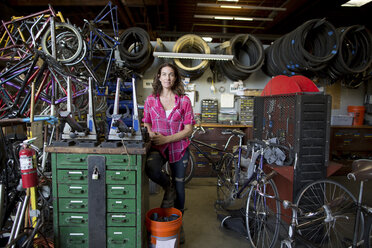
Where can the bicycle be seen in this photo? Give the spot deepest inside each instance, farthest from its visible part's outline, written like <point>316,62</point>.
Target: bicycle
<point>197,143</point>
<point>326,214</point>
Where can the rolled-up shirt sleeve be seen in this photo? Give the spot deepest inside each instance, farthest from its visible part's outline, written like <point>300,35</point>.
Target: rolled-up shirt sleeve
<point>146,112</point>
<point>189,115</point>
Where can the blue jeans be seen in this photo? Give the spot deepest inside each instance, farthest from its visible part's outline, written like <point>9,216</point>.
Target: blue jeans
<point>153,168</point>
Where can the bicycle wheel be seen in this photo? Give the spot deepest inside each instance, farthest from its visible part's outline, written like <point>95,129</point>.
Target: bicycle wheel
<point>225,185</point>
<point>327,216</point>
<point>263,214</point>
<point>189,169</point>
<point>368,233</point>
<point>69,43</point>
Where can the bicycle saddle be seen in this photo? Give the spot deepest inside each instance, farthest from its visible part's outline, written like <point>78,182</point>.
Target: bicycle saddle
<point>361,170</point>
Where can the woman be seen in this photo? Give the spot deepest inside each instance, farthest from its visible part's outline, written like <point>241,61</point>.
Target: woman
<point>169,119</point>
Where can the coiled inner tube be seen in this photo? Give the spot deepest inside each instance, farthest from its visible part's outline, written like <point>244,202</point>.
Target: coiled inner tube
<point>355,52</point>
<point>195,44</point>
<point>135,48</point>
<point>248,57</point>
<point>307,49</point>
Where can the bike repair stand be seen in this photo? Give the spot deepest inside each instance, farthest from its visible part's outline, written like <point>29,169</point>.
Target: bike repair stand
<point>73,132</point>
<point>119,131</point>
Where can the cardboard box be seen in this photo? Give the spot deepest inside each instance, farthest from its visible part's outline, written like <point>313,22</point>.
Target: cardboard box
<point>341,120</point>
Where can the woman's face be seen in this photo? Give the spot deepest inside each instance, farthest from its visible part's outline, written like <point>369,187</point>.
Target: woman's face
<point>167,77</point>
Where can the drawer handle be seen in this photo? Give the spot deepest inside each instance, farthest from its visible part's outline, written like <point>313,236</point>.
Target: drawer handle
<point>116,178</point>
<point>119,192</point>
<point>118,241</point>
<point>76,191</point>
<point>76,220</point>
<point>76,241</point>
<point>71,177</point>
<point>77,205</point>
<point>116,206</point>
<point>124,160</point>
<point>117,220</point>
<point>76,160</point>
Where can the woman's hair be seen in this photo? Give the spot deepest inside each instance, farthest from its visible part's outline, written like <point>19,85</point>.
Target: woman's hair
<point>177,87</point>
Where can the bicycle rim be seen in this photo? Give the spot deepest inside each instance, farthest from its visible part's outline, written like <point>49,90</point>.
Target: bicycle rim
<point>368,233</point>
<point>263,216</point>
<point>225,182</point>
<point>69,43</point>
<point>189,169</point>
<point>338,229</point>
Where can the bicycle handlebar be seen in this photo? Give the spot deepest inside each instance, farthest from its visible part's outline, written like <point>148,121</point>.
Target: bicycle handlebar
<point>265,144</point>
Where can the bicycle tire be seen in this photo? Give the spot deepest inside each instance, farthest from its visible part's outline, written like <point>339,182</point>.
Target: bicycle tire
<point>263,215</point>
<point>66,45</point>
<point>321,232</point>
<point>225,185</point>
<point>189,170</point>
<point>368,232</point>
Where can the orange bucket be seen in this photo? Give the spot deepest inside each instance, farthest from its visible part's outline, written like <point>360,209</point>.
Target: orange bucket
<point>163,232</point>
<point>358,113</point>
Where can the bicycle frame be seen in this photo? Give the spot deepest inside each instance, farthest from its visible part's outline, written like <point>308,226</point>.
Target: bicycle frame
<point>46,79</point>
<point>96,38</point>
<point>17,32</point>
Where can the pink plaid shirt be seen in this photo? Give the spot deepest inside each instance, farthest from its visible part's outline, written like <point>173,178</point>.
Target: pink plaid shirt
<point>180,116</point>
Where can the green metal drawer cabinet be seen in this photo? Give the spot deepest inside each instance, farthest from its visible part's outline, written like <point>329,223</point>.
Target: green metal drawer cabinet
<point>103,210</point>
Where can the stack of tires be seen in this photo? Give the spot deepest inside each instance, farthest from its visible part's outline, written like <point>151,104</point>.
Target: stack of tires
<point>248,57</point>
<point>135,49</point>
<point>306,50</point>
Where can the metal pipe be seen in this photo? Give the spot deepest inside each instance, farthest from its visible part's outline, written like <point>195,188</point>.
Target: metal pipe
<point>25,202</point>
<point>15,222</point>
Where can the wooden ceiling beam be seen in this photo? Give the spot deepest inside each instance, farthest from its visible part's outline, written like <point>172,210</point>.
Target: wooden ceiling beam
<point>56,3</point>
<point>143,3</point>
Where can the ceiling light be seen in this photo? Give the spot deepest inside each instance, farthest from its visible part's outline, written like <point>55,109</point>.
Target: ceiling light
<point>240,6</point>
<point>228,0</point>
<point>243,19</point>
<point>224,18</point>
<point>231,6</point>
<point>355,3</point>
<point>192,56</point>
<point>236,18</point>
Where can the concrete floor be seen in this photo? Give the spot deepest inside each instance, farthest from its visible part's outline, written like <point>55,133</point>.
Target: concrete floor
<point>202,228</point>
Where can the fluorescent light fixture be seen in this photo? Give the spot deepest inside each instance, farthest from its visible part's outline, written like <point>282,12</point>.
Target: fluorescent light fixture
<point>228,1</point>
<point>355,3</point>
<point>243,19</point>
<point>207,39</point>
<point>214,5</point>
<point>224,18</point>
<point>231,6</point>
<point>193,56</point>
<point>236,18</point>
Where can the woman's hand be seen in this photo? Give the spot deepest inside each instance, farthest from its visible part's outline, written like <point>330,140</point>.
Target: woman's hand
<point>159,139</point>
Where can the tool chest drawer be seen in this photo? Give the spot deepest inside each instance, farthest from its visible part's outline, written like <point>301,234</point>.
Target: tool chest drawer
<point>118,219</point>
<point>73,205</point>
<point>98,200</point>
<point>72,176</point>
<point>121,237</point>
<point>74,237</point>
<point>73,219</point>
<point>73,190</point>
<point>121,161</point>
<point>72,161</point>
<point>121,191</point>
<point>121,205</point>
<point>120,177</point>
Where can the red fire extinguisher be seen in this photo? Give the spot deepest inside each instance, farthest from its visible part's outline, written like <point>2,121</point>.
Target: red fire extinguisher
<point>28,171</point>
